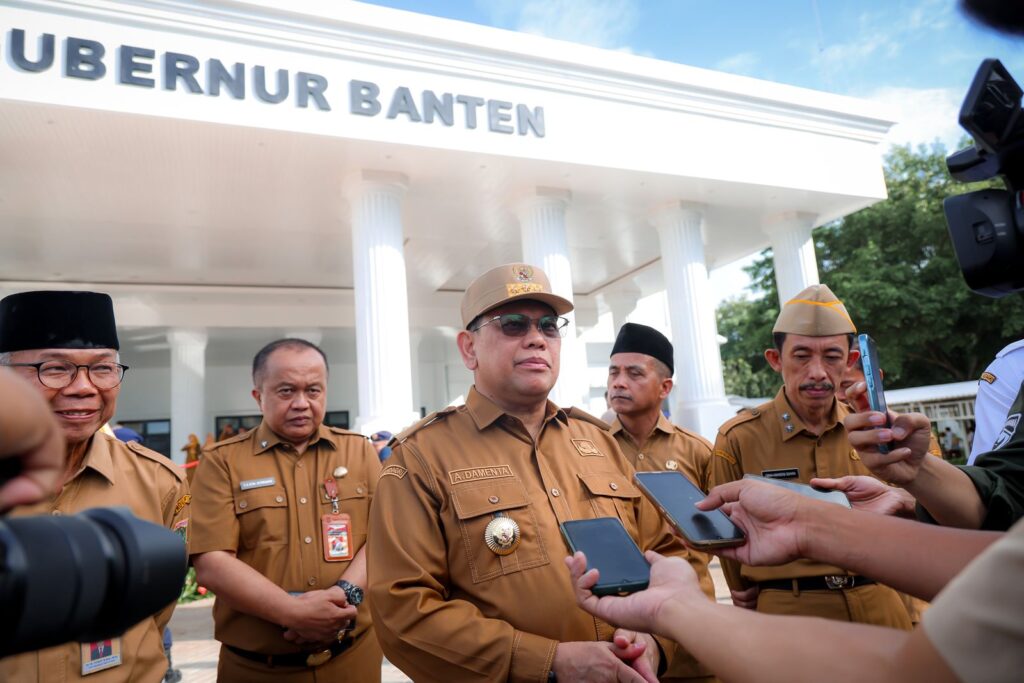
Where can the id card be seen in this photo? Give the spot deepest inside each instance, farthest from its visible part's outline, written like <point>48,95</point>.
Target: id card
<point>337,537</point>
<point>101,655</point>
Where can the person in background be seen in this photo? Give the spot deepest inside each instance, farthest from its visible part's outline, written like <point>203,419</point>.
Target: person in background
<point>380,442</point>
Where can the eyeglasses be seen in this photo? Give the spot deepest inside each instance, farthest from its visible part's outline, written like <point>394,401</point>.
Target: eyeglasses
<point>518,325</point>
<point>57,374</point>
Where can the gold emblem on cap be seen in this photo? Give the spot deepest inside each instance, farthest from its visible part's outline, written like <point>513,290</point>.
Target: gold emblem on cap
<point>671,465</point>
<point>502,535</point>
<point>340,471</point>
<point>522,272</point>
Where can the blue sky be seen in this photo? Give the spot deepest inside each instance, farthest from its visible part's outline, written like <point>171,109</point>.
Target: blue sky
<point>917,56</point>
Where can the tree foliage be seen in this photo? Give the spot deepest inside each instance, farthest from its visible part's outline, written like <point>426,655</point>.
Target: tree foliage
<point>893,266</point>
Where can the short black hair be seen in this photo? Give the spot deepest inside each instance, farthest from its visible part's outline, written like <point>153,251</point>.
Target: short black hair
<point>779,338</point>
<point>259,361</point>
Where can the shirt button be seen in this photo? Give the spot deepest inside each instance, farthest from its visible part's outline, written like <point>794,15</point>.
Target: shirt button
<point>639,456</point>
<point>311,581</point>
<point>56,513</point>
<point>615,487</point>
<point>308,539</point>
<point>280,499</point>
<point>299,464</point>
<point>243,505</point>
<point>556,493</point>
<point>302,500</point>
<point>359,489</point>
<point>492,500</point>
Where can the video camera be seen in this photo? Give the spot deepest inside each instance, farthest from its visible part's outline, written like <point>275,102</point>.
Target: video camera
<point>84,577</point>
<point>987,226</point>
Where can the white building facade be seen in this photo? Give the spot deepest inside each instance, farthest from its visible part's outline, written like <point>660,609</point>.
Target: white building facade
<point>234,172</point>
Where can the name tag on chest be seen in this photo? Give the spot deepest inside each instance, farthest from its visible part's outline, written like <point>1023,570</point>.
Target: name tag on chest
<point>788,473</point>
<point>257,483</point>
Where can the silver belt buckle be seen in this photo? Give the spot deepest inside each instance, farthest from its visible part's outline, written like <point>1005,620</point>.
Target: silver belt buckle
<point>836,582</point>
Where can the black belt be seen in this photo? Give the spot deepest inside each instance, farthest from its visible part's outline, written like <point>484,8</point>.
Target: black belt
<point>310,659</point>
<point>817,583</point>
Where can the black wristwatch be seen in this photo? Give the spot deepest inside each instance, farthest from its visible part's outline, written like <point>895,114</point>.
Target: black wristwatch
<point>353,593</point>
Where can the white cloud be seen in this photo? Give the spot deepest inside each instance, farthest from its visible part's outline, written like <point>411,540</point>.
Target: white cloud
<point>743,63</point>
<point>601,23</point>
<point>924,114</point>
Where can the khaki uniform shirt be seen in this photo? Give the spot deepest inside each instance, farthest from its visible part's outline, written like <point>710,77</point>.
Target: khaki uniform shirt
<point>446,607</point>
<point>154,489</point>
<point>771,439</point>
<point>255,497</point>
<point>976,623</point>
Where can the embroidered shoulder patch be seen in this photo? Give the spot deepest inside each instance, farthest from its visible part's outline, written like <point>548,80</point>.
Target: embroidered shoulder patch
<point>586,447</point>
<point>726,456</point>
<point>988,377</point>
<point>393,471</point>
<point>182,502</point>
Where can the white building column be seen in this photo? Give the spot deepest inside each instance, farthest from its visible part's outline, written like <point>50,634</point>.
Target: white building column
<point>381,302</point>
<point>188,388</point>
<point>700,402</point>
<point>312,335</point>
<point>545,244</point>
<point>622,303</point>
<point>796,267</point>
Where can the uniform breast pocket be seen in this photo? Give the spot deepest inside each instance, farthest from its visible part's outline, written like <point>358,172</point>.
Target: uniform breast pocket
<point>262,517</point>
<point>354,501</point>
<point>612,494</point>
<point>476,507</point>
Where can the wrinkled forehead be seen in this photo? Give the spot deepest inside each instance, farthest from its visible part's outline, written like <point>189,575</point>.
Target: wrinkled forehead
<point>290,362</point>
<point>79,356</point>
<point>838,342</point>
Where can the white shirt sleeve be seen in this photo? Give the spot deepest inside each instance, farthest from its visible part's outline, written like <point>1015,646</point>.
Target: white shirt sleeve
<point>996,396</point>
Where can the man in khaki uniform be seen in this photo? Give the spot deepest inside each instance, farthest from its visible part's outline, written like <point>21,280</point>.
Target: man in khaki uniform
<point>639,380</point>
<point>65,343</point>
<point>467,579</point>
<point>798,436</point>
<point>279,528</point>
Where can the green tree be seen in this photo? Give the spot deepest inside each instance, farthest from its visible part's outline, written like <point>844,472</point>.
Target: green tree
<point>893,266</point>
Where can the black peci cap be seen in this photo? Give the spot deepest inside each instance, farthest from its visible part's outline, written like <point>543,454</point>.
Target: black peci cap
<point>57,320</point>
<point>634,338</point>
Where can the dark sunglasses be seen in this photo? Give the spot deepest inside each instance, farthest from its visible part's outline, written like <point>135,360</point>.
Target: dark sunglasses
<point>518,325</point>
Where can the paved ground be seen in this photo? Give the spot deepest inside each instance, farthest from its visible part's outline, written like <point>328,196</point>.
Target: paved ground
<point>195,650</point>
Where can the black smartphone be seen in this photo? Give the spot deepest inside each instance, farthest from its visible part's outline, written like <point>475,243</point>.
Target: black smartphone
<point>825,495</point>
<point>609,548</point>
<point>675,496</point>
<point>873,379</point>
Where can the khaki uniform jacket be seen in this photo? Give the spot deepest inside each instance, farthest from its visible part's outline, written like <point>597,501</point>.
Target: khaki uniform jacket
<point>771,438</point>
<point>446,607</point>
<point>274,524</point>
<point>670,447</point>
<point>154,489</point>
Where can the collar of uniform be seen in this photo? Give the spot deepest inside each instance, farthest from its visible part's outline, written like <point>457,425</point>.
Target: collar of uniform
<point>662,425</point>
<point>486,412</point>
<point>265,435</point>
<point>98,457</point>
<point>782,405</point>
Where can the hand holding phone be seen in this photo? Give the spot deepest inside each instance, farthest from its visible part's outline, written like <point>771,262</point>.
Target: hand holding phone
<point>675,497</point>
<point>873,379</point>
<point>609,549</point>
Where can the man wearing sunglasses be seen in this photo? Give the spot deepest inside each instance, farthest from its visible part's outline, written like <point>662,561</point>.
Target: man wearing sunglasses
<point>465,578</point>
<point>65,344</point>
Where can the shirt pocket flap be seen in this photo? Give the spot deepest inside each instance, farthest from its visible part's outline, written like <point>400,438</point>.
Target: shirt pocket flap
<point>480,500</point>
<point>247,501</point>
<point>611,484</point>
<point>350,489</point>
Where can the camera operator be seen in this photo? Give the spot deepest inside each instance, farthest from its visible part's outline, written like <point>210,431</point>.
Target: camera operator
<point>32,438</point>
<point>65,344</point>
<point>972,632</point>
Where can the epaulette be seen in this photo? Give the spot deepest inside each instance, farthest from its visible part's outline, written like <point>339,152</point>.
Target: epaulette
<point>345,432</point>
<point>141,450</point>
<point>693,435</point>
<point>231,439</point>
<point>580,414</point>
<point>425,422</point>
<point>745,415</point>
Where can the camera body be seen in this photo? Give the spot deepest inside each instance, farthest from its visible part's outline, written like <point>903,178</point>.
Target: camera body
<point>987,226</point>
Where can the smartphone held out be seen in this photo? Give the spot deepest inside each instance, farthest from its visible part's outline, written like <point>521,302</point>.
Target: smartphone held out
<point>622,568</point>
<point>675,497</point>
<point>873,379</point>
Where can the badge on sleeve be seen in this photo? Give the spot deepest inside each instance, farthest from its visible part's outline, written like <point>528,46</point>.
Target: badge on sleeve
<point>181,528</point>
<point>101,655</point>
